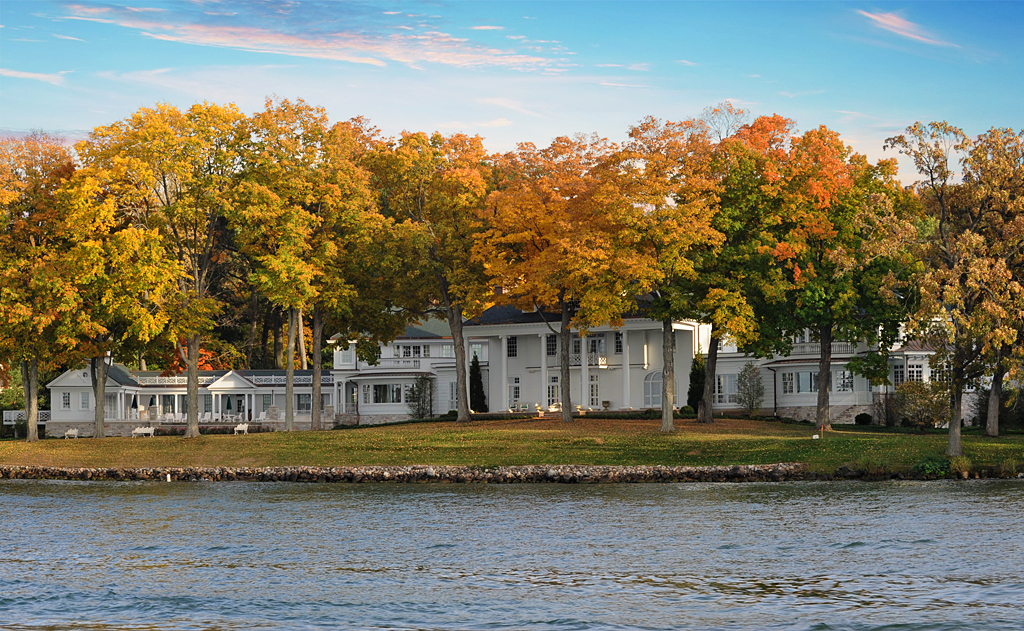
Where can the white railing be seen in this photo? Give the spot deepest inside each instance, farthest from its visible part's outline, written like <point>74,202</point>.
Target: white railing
<point>593,359</point>
<point>11,416</point>
<point>299,380</point>
<point>176,380</point>
<point>397,363</point>
<point>814,348</point>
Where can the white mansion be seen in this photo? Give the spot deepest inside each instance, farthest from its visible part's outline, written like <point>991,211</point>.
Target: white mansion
<point>610,369</point>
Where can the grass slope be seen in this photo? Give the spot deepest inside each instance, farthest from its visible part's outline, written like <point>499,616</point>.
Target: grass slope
<point>521,442</point>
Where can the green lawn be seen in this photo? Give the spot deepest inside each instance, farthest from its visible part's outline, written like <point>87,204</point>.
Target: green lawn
<point>522,442</point>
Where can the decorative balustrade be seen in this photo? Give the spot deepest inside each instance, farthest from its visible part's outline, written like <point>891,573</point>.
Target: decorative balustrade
<point>12,416</point>
<point>814,348</point>
<point>396,363</point>
<point>299,380</point>
<point>593,359</point>
<point>176,380</point>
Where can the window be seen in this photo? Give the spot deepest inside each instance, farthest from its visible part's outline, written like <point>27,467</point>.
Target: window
<point>416,350</point>
<point>801,338</point>
<point>348,356</point>
<point>514,391</point>
<point>167,403</point>
<point>303,402</point>
<point>426,350</point>
<point>618,343</point>
<point>595,345</point>
<point>453,395</point>
<point>844,381</point>
<point>554,392</point>
<point>84,403</point>
<point>915,372</point>
<point>551,345</point>
<point>381,393</point>
<point>576,346</point>
<point>897,375</point>
<point>806,382</point>
<point>447,350</point>
<point>595,392</point>
<point>725,389</point>
<point>512,346</point>
<point>65,400</point>
<point>110,406</point>
<point>268,402</point>
<point>208,403</point>
<point>476,350</point>
<point>787,383</point>
<point>652,390</point>
<point>406,351</point>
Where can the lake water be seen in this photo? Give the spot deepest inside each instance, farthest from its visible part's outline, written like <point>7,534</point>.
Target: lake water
<point>931,556</point>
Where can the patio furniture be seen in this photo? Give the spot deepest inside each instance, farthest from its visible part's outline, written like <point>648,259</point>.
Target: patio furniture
<point>242,428</point>
<point>71,433</point>
<point>144,431</point>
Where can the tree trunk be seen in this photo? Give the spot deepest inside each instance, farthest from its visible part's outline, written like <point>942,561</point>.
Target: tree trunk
<point>98,372</point>
<point>318,333</point>
<point>668,375</point>
<point>822,419</point>
<point>250,346</point>
<point>192,364</point>
<point>289,380</point>
<point>301,332</point>
<point>705,411</point>
<point>954,446</point>
<point>278,347</point>
<point>268,315</point>
<point>565,335</point>
<point>995,398</point>
<point>30,383</point>
<point>454,315</point>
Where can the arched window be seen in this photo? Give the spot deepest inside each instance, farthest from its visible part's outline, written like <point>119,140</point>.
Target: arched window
<point>652,390</point>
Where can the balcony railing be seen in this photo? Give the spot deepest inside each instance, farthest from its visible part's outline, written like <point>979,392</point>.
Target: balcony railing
<point>11,416</point>
<point>391,364</point>
<point>593,359</point>
<point>814,348</point>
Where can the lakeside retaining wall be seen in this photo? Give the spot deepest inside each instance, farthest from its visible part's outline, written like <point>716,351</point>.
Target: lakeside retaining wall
<point>564,474</point>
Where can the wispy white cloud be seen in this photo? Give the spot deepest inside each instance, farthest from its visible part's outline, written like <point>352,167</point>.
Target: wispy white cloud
<point>510,104</point>
<point>313,35</point>
<point>894,23</point>
<point>67,37</point>
<point>488,28</point>
<point>497,122</point>
<point>794,95</point>
<point>624,85</point>
<point>686,63</point>
<point>53,79</point>
<point>644,67</point>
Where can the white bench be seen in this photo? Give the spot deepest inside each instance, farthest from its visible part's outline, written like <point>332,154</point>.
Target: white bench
<point>144,431</point>
<point>71,433</point>
<point>242,428</point>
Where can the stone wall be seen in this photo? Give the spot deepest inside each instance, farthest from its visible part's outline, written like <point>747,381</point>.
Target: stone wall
<point>839,414</point>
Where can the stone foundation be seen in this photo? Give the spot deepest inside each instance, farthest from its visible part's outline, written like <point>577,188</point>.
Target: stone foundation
<point>839,415</point>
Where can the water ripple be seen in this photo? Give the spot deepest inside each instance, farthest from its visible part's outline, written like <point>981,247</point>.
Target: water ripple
<point>98,556</point>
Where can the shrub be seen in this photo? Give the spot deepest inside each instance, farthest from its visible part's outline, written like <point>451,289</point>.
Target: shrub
<point>922,404</point>
<point>934,464</point>
<point>421,397</point>
<point>687,410</point>
<point>1008,468</point>
<point>863,419</point>
<point>477,397</point>
<point>697,376</point>
<point>960,465</point>
<point>750,388</point>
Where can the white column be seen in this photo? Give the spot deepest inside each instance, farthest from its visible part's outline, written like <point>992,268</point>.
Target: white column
<point>584,373</point>
<point>625,371</point>
<point>216,406</point>
<point>504,370</point>
<point>469,360</point>
<point>543,371</point>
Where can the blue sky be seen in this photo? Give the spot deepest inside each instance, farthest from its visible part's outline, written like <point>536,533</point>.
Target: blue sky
<point>520,71</point>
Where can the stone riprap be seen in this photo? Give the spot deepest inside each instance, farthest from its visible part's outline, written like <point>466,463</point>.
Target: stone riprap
<point>564,474</point>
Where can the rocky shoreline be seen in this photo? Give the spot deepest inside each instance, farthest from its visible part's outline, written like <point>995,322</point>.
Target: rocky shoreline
<point>564,474</point>
<point>550,474</point>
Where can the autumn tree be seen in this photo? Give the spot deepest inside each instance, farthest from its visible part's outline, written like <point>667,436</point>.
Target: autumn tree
<point>669,183</point>
<point>971,297</point>
<point>35,235</point>
<point>438,184</point>
<point>735,284</point>
<point>170,171</point>
<point>559,238</point>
